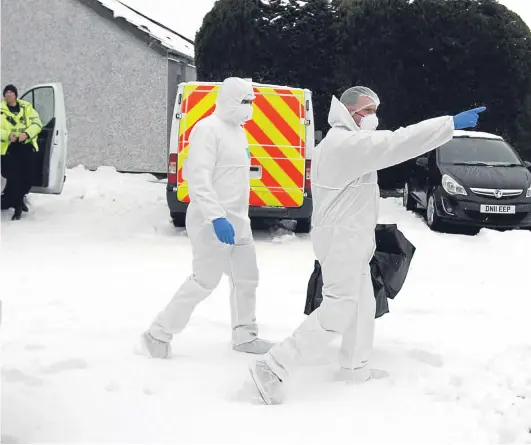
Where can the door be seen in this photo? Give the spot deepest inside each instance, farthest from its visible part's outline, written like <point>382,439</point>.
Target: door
<point>425,166</point>
<point>419,180</point>
<point>276,136</point>
<point>48,101</point>
<point>277,144</point>
<point>195,102</point>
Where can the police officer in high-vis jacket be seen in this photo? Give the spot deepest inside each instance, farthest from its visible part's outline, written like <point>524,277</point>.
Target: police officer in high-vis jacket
<point>20,125</point>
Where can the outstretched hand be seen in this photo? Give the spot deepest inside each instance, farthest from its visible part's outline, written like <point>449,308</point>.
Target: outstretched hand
<point>468,119</point>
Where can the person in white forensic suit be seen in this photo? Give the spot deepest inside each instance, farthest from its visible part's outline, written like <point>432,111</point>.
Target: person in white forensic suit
<point>345,199</point>
<point>218,225</point>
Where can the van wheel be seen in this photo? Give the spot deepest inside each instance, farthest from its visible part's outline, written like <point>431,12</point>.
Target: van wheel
<point>407,200</point>
<point>303,225</point>
<point>178,219</point>
<point>259,224</point>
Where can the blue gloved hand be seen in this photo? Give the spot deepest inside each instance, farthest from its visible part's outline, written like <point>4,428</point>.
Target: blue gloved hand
<point>468,119</point>
<point>224,230</point>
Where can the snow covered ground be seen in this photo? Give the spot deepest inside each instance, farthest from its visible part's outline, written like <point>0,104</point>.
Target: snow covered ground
<point>84,274</point>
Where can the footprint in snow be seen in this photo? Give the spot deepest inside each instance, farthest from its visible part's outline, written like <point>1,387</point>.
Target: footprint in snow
<point>66,365</point>
<point>112,386</point>
<point>149,391</point>
<point>17,376</point>
<point>34,347</point>
<point>427,357</point>
<point>247,393</point>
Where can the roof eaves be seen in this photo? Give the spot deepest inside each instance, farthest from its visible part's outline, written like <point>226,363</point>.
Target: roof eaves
<point>138,31</point>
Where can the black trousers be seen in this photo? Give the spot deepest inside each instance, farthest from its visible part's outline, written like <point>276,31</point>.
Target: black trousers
<point>18,167</point>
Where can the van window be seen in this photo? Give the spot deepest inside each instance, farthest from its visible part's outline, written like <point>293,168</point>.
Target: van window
<point>43,102</point>
<point>475,151</point>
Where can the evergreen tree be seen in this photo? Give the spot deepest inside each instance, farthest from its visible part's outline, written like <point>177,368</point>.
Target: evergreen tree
<point>435,57</point>
<point>523,127</point>
<point>424,58</point>
<point>306,55</point>
<point>233,41</point>
<point>284,42</point>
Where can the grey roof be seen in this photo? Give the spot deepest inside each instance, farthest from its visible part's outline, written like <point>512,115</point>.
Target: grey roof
<point>161,38</point>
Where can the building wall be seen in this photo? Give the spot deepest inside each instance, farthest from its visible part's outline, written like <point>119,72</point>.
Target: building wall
<point>115,85</point>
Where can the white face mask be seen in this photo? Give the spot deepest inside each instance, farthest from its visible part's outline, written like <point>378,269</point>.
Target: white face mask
<point>244,113</point>
<point>249,112</point>
<point>369,122</point>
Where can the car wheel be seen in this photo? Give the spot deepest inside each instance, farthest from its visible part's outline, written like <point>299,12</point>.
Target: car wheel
<point>407,200</point>
<point>178,219</point>
<point>432,219</point>
<point>303,225</point>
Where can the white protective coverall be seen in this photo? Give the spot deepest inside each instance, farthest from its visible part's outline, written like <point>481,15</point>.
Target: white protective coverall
<point>217,171</point>
<point>345,212</point>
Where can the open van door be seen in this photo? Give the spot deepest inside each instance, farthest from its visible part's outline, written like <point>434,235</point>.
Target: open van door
<point>48,100</point>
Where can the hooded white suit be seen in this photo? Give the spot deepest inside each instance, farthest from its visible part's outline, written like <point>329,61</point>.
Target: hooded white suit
<point>217,171</point>
<point>345,198</point>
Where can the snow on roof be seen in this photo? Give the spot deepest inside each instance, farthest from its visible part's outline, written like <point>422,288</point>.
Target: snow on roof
<point>167,38</point>
<point>476,134</point>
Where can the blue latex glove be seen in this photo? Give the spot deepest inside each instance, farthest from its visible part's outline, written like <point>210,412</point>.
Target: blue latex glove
<point>224,230</point>
<point>468,119</point>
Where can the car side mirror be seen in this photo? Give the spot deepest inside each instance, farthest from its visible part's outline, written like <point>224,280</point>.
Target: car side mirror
<point>527,164</point>
<point>422,162</point>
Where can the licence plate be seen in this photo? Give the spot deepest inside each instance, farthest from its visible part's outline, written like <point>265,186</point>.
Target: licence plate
<point>489,208</point>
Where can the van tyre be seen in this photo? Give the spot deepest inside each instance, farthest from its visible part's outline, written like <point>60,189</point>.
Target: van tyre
<point>178,219</point>
<point>407,200</point>
<point>303,225</point>
<point>432,219</point>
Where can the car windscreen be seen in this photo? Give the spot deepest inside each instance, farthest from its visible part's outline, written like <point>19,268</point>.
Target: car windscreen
<point>477,151</point>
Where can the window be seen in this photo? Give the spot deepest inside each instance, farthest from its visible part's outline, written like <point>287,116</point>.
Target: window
<point>44,103</point>
<point>28,97</point>
<point>474,151</point>
<point>43,100</point>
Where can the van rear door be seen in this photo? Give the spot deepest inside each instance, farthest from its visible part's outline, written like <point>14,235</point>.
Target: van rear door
<point>277,142</point>
<point>198,102</point>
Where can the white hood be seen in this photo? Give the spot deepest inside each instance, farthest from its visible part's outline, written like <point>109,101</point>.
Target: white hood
<point>229,100</point>
<point>339,116</point>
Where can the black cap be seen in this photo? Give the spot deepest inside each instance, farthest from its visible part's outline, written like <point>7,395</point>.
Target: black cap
<point>11,88</point>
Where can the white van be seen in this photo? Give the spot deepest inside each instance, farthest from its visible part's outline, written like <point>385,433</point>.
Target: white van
<point>281,142</point>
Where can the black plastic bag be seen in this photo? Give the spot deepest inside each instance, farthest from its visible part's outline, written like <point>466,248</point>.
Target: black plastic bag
<point>389,267</point>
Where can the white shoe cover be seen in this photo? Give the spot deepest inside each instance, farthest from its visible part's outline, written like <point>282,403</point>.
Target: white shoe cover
<point>155,348</point>
<point>267,382</point>
<point>360,375</point>
<point>256,346</point>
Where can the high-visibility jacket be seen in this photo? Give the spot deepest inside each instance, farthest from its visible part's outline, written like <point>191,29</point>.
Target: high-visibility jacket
<point>26,121</point>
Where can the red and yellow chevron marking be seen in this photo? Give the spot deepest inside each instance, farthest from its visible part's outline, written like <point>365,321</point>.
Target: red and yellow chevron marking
<point>198,102</point>
<point>277,142</point>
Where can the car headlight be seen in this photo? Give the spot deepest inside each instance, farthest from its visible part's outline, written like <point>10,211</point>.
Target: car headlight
<point>452,187</point>
<point>528,193</point>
